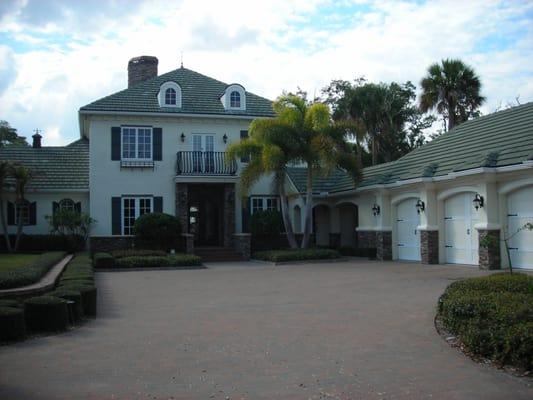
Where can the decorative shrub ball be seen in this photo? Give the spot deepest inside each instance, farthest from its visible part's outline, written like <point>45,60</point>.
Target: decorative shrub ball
<point>157,231</point>
<point>103,260</point>
<point>12,325</point>
<point>46,314</point>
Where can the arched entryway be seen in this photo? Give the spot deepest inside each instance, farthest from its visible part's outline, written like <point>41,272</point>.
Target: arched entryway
<point>321,224</point>
<point>348,223</point>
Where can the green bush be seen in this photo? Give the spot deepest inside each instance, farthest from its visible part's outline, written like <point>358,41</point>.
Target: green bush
<point>266,223</point>
<point>12,325</point>
<point>177,260</point>
<point>296,255</point>
<point>11,303</point>
<point>103,260</point>
<point>32,273</point>
<point>157,231</point>
<point>137,253</point>
<point>357,252</point>
<point>492,316</point>
<point>72,295</point>
<point>46,313</point>
<point>88,296</point>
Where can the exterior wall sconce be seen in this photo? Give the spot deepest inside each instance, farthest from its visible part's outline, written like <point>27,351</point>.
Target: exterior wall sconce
<point>376,209</point>
<point>225,138</point>
<point>478,201</point>
<point>182,137</point>
<point>420,206</point>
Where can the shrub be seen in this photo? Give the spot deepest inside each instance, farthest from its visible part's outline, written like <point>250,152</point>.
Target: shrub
<point>46,313</point>
<point>492,316</point>
<point>177,260</point>
<point>157,231</point>
<point>103,260</point>
<point>10,303</point>
<point>296,255</point>
<point>73,225</point>
<point>357,252</point>
<point>88,296</point>
<point>137,252</point>
<point>12,325</point>
<point>72,295</point>
<point>32,273</point>
<point>266,223</point>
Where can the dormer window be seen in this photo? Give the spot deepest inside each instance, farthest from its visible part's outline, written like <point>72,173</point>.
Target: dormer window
<point>234,98</point>
<point>169,95</point>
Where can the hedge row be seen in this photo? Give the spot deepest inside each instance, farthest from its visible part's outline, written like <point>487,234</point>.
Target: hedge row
<point>296,255</point>
<point>144,259</point>
<point>32,273</point>
<point>72,299</point>
<point>38,243</point>
<point>492,316</point>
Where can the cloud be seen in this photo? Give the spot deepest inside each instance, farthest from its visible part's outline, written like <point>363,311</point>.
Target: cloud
<point>8,71</point>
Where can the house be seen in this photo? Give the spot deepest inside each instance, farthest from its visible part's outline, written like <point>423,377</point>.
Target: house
<point>159,146</point>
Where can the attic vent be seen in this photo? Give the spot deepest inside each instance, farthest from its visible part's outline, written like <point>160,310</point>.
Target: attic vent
<point>429,170</point>
<point>491,159</point>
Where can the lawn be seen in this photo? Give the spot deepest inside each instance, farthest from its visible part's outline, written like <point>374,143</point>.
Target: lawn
<point>18,270</point>
<point>9,262</point>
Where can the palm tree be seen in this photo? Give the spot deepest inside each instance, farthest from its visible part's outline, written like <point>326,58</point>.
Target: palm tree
<point>301,133</point>
<point>22,176</point>
<point>453,89</point>
<point>5,168</point>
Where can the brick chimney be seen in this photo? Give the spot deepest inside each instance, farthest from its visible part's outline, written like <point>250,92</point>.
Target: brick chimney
<point>141,68</point>
<point>36,141</point>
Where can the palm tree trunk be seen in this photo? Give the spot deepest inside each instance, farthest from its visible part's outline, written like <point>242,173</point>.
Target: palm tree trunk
<point>308,209</point>
<point>374,150</point>
<point>286,218</point>
<point>19,230</point>
<point>4,226</point>
<point>451,117</point>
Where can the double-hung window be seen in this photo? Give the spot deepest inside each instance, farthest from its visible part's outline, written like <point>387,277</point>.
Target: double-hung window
<point>133,208</point>
<point>264,203</point>
<point>137,144</point>
<point>22,212</point>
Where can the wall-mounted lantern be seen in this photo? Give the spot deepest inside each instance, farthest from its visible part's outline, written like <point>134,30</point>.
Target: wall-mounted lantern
<point>376,209</point>
<point>420,206</point>
<point>182,137</point>
<point>225,138</point>
<point>478,201</point>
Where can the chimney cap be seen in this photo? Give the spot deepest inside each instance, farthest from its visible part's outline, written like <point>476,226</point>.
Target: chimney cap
<point>36,140</point>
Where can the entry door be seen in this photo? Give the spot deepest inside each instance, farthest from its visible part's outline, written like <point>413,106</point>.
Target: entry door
<point>519,212</point>
<point>203,147</point>
<point>460,236</point>
<point>408,237</point>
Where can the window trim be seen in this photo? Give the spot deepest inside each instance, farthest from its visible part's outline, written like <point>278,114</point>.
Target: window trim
<point>61,204</point>
<point>226,97</point>
<point>264,203</point>
<point>137,210</point>
<point>151,145</point>
<point>161,96</point>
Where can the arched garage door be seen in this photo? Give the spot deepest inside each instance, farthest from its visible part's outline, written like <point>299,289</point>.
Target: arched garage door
<point>408,238</point>
<point>460,236</point>
<point>519,212</point>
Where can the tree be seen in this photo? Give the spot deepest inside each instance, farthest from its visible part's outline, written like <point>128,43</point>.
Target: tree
<point>301,133</point>
<point>5,168</point>
<point>453,89</point>
<point>9,136</point>
<point>71,224</point>
<point>22,177</point>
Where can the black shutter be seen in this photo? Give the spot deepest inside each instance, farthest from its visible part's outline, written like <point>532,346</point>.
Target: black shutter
<point>158,204</point>
<point>115,143</point>
<point>55,207</point>
<point>157,142</point>
<point>77,206</point>
<point>244,135</point>
<point>116,216</point>
<point>10,213</point>
<point>33,213</point>
<point>246,209</point>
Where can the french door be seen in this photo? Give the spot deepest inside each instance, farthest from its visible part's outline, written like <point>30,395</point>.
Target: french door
<point>203,147</point>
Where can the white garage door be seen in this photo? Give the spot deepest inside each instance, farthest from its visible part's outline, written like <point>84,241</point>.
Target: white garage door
<point>460,237</point>
<point>519,212</point>
<point>408,238</point>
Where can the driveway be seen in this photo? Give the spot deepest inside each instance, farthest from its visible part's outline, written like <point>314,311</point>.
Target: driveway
<point>349,330</point>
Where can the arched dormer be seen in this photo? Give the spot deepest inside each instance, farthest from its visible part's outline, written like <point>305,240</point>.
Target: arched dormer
<point>234,98</point>
<point>169,95</point>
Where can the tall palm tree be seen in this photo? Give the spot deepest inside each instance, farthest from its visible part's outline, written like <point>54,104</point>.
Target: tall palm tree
<point>453,89</point>
<point>301,133</point>
<point>5,168</point>
<point>22,177</point>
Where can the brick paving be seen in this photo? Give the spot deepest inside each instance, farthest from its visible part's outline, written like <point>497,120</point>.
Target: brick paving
<point>349,330</point>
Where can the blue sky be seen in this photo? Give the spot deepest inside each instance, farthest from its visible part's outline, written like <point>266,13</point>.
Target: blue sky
<point>56,56</point>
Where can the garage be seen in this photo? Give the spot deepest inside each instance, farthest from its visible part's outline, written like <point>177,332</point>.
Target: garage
<point>519,212</point>
<point>460,236</point>
<point>408,238</point>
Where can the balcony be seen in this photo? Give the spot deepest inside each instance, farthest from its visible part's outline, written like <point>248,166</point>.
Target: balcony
<point>204,163</point>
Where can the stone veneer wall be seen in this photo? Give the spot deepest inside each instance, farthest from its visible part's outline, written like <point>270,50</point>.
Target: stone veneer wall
<point>429,247</point>
<point>366,239</point>
<point>229,214</point>
<point>489,256</point>
<point>109,243</point>
<point>243,244</point>
<point>383,245</point>
<point>188,240</point>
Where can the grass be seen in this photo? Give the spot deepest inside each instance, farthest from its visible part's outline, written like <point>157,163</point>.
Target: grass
<point>21,271</point>
<point>9,262</point>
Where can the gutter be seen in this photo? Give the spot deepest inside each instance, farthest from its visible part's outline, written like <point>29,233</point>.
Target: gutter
<point>176,115</point>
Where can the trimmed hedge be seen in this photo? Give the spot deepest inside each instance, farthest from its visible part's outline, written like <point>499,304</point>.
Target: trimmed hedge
<point>492,316</point>
<point>32,273</point>
<point>79,278</point>
<point>296,255</point>
<point>72,295</point>
<point>357,252</point>
<point>177,260</point>
<point>103,260</point>
<point>12,325</point>
<point>46,314</point>
<point>11,303</point>
<point>136,253</point>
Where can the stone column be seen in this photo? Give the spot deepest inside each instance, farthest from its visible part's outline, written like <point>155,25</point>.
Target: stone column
<point>229,213</point>
<point>366,239</point>
<point>429,246</point>
<point>243,244</point>
<point>489,255</point>
<point>384,245</point>
<point>182,205</point>
<point>188,240</point>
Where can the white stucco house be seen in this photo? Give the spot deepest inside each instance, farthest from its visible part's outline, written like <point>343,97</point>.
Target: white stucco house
<point>158,146</point>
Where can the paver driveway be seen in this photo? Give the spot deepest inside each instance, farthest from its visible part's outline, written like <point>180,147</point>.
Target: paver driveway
<point>342,331</point>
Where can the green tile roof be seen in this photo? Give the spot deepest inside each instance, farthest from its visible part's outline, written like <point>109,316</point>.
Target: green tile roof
<point>495,140</point>
<point>54,168</point>
<point>200,95</point>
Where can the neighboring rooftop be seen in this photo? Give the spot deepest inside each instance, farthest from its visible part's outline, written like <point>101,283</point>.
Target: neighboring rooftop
<point>495,140</point>
<point>200,95</point>
<point>53,167</point>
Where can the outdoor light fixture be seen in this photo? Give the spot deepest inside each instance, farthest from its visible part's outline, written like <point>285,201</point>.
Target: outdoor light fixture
<point>225,138</point>
<point>182,137</point>
<point>478,201</point>
<point>420,206</point>
<point>375,209</point>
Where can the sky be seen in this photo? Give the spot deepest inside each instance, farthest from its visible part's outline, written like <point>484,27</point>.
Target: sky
<point>56,56</point>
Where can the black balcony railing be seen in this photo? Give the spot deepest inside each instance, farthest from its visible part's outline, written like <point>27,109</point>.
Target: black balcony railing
<point>205,163</point>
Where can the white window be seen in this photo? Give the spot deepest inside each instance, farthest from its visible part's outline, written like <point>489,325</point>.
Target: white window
<point>22,211</point>
<point>257,204</point>
<point>170,97</point>
<point>137,143</point>
<point>272,203</point>
<point>264,204</point>
<point>133,208</point>
<point>67,205</point>
<point>235,99</point>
